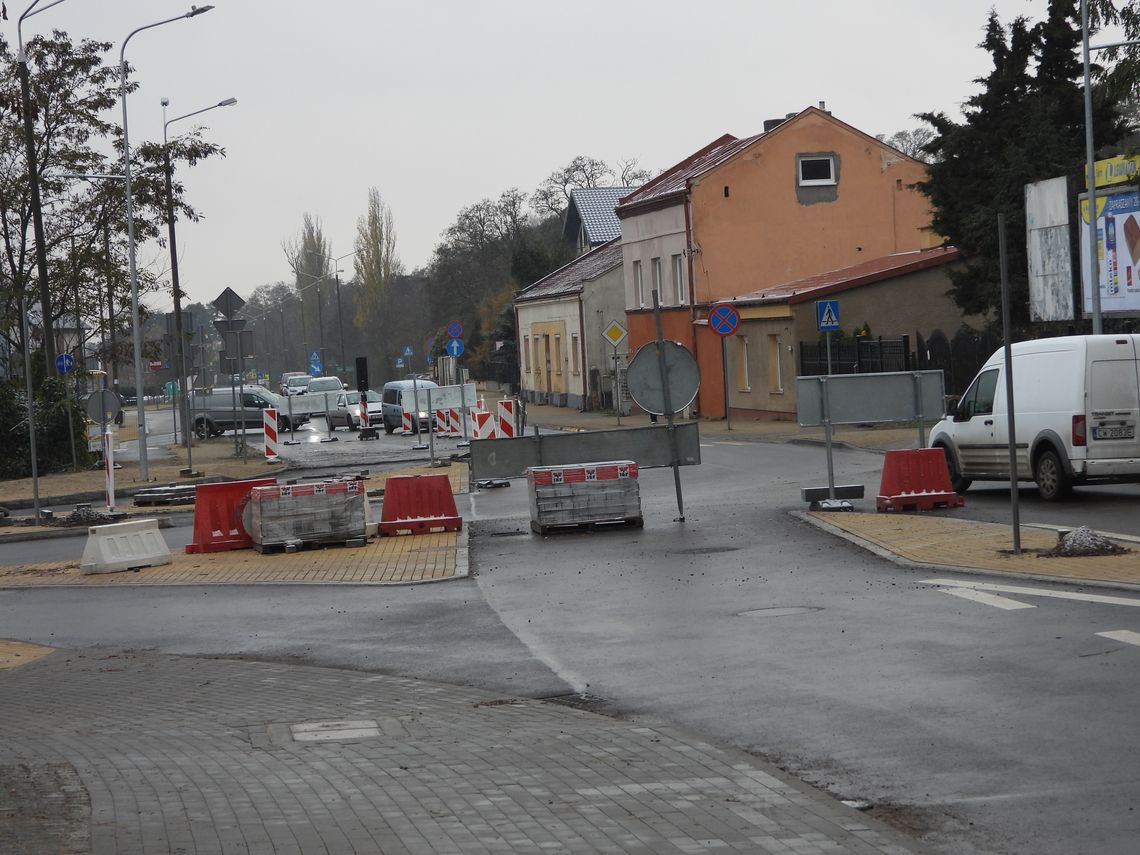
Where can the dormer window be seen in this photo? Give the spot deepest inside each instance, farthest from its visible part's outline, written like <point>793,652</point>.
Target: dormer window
<point>815,170</point>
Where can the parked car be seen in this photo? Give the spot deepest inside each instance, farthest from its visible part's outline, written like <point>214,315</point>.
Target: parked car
<point>397,394</point>
<point>224,408</point>
<point>325,384</point>
<point>295,382</point>
<point>347,410</point>
<point>1077,408</point>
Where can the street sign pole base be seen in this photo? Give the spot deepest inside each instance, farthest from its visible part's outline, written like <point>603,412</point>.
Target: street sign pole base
<point>419,447</point>
<point>832,505</point>
<point>368,433</point>
<point>330,439</point>
<point>189,473</point>
<point>291,442</point>
<point>463,444</point>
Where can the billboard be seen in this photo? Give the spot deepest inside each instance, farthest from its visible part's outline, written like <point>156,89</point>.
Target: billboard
<point>1118,252</point>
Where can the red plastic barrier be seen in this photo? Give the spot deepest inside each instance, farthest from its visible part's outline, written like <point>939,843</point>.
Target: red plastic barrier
<point>918,479</point>
<point>419,504</point>
<point>217,515</point>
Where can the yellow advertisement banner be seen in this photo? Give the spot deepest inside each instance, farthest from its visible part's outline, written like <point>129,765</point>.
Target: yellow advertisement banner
<point>1115,170</point>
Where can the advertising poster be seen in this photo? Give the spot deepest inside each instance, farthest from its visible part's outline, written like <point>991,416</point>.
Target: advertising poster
<point>1118,252</point>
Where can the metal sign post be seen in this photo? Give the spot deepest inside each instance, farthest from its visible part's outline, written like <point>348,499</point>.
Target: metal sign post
<point>431,432</point>
<point>724,320</point>
<point>615,334</point>
<point>328,419</point>
<point>1014,493</point>
<point>672,427</point>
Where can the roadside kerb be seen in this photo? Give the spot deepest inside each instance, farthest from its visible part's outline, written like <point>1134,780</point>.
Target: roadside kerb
<point>935,541</point>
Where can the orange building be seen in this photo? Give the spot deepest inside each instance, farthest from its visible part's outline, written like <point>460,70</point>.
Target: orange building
<point>808,195</point>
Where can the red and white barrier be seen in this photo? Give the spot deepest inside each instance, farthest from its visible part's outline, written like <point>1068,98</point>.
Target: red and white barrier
<point>269,425</point>
<point>506,419</point>
<point>407,426</point>
<point>441,423</point>
<point>454,423</point>
<point>484,424</point>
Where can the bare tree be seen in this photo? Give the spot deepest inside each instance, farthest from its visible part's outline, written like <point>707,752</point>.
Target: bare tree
<point>911,143</point>
<point>377,263</point>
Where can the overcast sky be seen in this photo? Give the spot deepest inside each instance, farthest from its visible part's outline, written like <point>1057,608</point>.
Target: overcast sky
<point>441,103</point>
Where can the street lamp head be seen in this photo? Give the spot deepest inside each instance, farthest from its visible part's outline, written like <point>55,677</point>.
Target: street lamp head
<point>229,102</point>
<point>198,10</point>
<point>165,102</point>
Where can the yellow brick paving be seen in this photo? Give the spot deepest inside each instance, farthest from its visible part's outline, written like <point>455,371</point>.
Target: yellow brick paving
<point>935,539</point>
<point>383,560</point>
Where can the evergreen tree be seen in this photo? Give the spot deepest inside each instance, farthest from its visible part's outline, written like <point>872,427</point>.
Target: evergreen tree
<point>1025,125</point>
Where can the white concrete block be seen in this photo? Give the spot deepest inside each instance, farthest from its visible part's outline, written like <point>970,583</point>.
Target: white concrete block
<point>124,546</point>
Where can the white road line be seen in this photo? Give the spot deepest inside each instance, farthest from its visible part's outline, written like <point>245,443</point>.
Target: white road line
<point>1034,592</point>
<point>986,599</point>
<point>1125,635</point>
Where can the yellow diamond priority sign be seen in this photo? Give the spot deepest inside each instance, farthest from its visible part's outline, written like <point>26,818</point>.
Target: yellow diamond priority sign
<point>615,333</point>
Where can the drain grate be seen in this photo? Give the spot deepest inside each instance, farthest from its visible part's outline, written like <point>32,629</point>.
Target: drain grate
<point>510,533</point>
<point>781,611</point>
<point>705,550</point>
<point>584,701</point>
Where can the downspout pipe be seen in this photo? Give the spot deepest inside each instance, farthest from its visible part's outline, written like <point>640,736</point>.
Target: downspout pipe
<point>583,365</point>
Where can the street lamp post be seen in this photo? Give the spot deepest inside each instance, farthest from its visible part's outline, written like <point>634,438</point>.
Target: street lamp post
<point>34,186</point>
<point>144,473</point>
<point>1090,157</point>
<point>317,280</point>
<point>339,313</point>
<point>179,344</point>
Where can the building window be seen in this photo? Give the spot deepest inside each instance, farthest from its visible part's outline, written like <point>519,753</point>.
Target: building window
<point>574,353</point>
<point>679,279</point>
<point>537,355</point>
<point>775,373</point>
<point>638,286</point>
<point>656,271</point>
<point>526,352</point>
<point>557,354</point>
<point>815,171</point>
<point>743,382</point>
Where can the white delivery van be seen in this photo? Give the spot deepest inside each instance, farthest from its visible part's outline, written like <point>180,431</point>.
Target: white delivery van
<point>1076,410</point>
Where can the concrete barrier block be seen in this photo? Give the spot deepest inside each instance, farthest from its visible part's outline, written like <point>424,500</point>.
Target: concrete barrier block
<point>124,546</point>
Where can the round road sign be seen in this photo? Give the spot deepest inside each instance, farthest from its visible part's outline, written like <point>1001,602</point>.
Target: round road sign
<point>64,363</point>
<point>681,373</point>
<point>724,319</point>
<point>455,330</point>
<point>103,406</point>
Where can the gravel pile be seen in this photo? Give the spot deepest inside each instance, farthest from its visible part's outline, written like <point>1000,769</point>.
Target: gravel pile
<point>1085,541</point>
<point>80,516</point>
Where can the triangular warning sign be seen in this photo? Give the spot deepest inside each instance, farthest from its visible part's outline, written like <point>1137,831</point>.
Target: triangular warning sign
<point>828,319</point>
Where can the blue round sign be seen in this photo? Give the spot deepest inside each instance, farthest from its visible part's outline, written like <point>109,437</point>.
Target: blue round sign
<point>64,363</point>
<point>454,347</point>
<point>455,330</point>
<point>724,319</point>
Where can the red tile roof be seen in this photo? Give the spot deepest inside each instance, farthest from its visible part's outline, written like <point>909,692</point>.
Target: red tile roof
<point>835,281</point>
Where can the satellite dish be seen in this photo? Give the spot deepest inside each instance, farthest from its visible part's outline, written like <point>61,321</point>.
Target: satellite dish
<point>681,374</point>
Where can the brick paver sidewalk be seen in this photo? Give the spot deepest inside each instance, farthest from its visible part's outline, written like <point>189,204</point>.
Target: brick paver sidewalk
<point>136,754</point>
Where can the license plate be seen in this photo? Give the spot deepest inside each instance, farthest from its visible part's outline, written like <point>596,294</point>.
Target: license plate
<point>1115,432</point>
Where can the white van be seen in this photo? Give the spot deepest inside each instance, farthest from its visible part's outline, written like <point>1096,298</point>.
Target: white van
<point>1076,409</point>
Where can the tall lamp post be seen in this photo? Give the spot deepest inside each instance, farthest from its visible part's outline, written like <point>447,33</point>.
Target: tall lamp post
<point>34,185</point>
<point>339,313</point>
<point>317,280</point>
<point>144,473</point>
<point>1090,156</point>
<point>179,344</point>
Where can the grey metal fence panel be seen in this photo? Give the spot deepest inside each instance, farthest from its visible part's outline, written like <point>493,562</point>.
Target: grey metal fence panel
<point>647,446</point>
<point>869,398</point>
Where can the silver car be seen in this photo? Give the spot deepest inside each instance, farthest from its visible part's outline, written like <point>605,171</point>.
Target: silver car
<point>347,411</point>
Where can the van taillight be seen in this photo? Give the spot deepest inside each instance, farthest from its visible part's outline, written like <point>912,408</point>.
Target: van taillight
<point>1080,434</point>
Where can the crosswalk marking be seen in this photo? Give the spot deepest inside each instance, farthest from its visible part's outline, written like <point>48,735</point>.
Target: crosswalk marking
<point>986,599</point>
<point>1035,592</point>
<point>1125,635</point>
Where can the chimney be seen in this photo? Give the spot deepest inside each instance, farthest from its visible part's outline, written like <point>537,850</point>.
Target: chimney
<point>771,124</point>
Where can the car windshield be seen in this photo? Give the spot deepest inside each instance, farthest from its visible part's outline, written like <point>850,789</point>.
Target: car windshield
<point>325,384</point>
<point>373,397</point>
<point>298,381</point>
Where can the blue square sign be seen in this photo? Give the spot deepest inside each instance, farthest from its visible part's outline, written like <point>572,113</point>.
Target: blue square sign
<point>827,315</point>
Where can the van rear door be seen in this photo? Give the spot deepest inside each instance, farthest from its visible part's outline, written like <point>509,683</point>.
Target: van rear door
<point>1113,408</point>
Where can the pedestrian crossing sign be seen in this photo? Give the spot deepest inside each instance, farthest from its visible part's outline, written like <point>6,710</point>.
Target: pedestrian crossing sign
<point>827,315</point>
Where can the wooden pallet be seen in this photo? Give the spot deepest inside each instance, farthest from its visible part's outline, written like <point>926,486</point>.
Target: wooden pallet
<point>298,545</point>
<point>588,525</point>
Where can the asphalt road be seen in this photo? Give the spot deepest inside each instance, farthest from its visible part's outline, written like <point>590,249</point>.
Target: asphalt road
<point>982,728</point>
